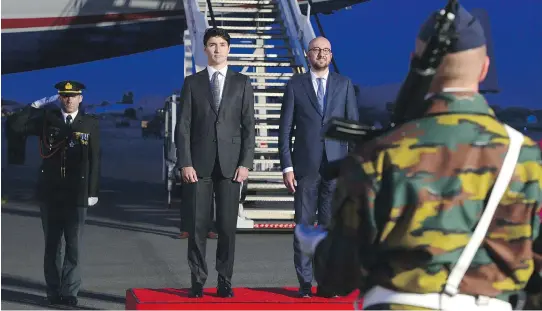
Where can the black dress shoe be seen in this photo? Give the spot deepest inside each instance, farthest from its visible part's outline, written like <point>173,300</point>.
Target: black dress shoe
<point>305,290</point>
<point>224,289</point>
<point>54,300</point>
<point>320,292</point>
<point>69,301</point>
<point>196,291</point>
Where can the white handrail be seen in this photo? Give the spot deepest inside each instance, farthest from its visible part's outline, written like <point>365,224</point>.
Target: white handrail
<point>197,25</point>
<point>307,31</point>
<point>299,29</point>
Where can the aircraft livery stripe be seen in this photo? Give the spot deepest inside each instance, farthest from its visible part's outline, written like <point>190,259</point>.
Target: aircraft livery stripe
<point>14,23</point>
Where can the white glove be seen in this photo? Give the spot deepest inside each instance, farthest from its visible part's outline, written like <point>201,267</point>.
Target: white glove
<point>309,237</point>
<point>44,101</point>
<point>92,201</point>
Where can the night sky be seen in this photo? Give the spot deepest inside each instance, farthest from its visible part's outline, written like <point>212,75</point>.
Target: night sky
<point>371,44</point>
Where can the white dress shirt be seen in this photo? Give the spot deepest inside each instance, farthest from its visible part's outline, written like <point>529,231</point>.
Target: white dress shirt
<point>73,114</point>
<point>221,77</point>
<point>314,79</point>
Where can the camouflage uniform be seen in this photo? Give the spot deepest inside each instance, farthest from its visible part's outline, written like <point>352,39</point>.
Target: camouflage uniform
<point>407,202</point>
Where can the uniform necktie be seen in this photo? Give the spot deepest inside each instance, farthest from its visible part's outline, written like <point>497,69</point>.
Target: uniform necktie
<point>320,95</point>
<point>215,86</point>
<point>68,119</point>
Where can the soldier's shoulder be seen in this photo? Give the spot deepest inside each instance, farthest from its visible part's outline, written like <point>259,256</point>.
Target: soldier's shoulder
<point>91,117</point>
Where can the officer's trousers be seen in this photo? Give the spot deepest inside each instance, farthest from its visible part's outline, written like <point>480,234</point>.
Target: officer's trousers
<point>59,219</point>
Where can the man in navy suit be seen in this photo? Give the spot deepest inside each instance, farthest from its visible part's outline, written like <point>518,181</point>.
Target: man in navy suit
<point>310,100</point>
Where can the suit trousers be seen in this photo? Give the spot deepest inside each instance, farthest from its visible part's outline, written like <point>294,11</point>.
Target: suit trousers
<point>61,219</point>
<point>312,202</point>
<point>198,196</point>
<point>185,217</point>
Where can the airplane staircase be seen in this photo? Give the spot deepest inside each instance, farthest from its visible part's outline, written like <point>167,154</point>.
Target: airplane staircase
<point>268,43</point>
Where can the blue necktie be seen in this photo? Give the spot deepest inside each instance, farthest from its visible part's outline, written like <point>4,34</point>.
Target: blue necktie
<point>321,96</point>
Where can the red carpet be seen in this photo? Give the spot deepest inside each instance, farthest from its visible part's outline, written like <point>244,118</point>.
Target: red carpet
<point>245,299</point>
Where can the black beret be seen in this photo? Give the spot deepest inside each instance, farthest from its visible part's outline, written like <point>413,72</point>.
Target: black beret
<point>470,33</point>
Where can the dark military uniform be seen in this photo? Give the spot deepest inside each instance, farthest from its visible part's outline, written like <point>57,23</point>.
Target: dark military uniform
<point>68,177</point>
<point>407,204</point>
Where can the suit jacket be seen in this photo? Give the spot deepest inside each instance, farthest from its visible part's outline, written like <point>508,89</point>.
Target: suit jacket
<point>300,109</point>
<point>202,133</point>
<point>70,169</point>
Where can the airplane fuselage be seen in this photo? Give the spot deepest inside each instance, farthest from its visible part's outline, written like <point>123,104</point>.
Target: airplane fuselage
<point>46,34</point>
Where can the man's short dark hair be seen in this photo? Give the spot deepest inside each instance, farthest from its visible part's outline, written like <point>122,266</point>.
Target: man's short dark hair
<point>215,32</point>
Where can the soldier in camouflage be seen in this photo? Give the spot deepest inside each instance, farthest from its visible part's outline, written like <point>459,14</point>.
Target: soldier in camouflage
<point>407,203</point>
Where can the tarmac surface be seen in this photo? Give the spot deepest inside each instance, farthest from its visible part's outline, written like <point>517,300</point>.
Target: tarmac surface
<point>130,238</point>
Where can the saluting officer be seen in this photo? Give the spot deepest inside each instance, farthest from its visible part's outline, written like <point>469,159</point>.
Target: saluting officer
<point>68,182</point>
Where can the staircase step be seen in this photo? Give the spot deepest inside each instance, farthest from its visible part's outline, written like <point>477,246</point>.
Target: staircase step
<point>245,19</point>
<point>268,139</point>
<point>268,198</point>
<point>267,78</point>
<point>266,150</point>
<point>266,127</point>
<point>275,84</point>
<point>260,55</point>
<point>260,64</point>
<point>265,186</point>
<point>261,59</point>
<point>258,46</point>
<point>241,2</point>
<point>256,28</point>
<point>269,180</point>
<point>267,214</point>
<point>266,174</point>
<point>239,35</point>
<point>267,106</point>
<point>267,116</point>
<point>269,74</point>
<point>267,94</point>
<point>265,161</point>
<point>226,9</point>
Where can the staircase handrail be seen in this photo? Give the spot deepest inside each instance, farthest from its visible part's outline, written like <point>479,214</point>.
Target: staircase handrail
<point>197,25</point>
<point>299,29</point>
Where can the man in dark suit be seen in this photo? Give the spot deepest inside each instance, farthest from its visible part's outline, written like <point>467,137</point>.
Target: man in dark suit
<point>215,139</point>
<point>68,182</point>
<point>309,101</point>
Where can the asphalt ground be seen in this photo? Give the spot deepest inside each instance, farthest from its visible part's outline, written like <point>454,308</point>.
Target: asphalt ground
<point>130,238</point>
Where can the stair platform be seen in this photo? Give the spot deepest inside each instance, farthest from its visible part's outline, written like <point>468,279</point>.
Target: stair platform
<point>245,299</point>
